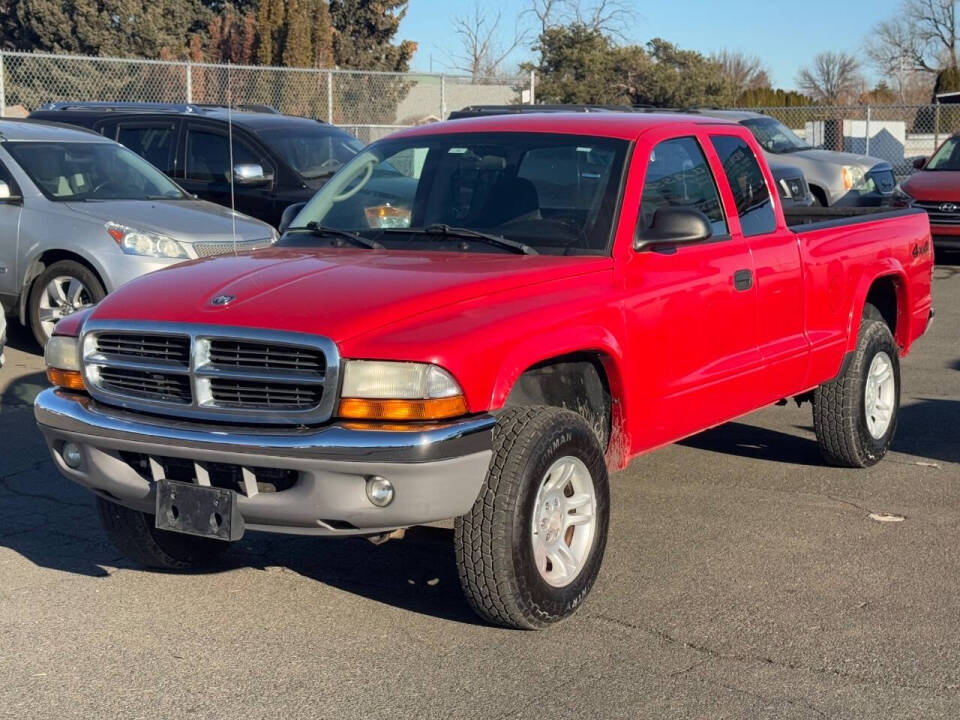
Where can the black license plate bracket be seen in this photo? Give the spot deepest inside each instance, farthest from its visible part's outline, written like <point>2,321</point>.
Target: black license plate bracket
<point>198,510</point>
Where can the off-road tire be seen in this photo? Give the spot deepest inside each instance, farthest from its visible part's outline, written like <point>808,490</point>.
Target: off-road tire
<point>493,547</point>
<point>839,418</point>
<point>134,534</point>
<point>65,268</point>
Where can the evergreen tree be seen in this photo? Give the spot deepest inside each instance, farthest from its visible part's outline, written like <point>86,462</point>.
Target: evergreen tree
<point>264,34</point>
<point>322,40</point>
<point>296,42</point>
<point>364,31</point>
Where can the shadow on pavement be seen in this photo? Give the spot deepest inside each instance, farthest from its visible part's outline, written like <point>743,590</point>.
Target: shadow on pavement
<point>20,338</point>
<point>921,431</point>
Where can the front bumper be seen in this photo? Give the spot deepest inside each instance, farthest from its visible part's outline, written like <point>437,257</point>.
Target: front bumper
<point>436,471</point>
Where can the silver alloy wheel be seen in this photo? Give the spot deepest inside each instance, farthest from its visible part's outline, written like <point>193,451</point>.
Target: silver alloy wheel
<point>564,521</point>
<point>879,395</point>
<point>62,296</point>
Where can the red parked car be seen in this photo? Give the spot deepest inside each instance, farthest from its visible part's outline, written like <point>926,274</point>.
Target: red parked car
<point>479,320</point>
<point>935,187</point>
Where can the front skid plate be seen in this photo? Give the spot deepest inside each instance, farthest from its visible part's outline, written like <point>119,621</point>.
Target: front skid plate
<point>198,510</point>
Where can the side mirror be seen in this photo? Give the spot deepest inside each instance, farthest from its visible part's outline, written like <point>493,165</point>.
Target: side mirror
<point>250,174</point>
<point>919,162</point>
<point>289,213</point>
<point>673,225</point>
<point>6,195</point>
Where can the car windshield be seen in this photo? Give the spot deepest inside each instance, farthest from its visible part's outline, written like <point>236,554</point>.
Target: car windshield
<point>947,157</point>
<point>556,194</point>
<point>774,136</point>
<point>312,152</point>
<point>80,171</point>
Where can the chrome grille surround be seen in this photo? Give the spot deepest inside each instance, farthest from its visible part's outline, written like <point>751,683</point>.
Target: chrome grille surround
<point>319,383</point>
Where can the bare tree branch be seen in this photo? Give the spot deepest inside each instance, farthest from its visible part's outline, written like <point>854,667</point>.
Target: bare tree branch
<point>611,17</point>
<point>745,72</point>
<point>483,47</point>
<point>833,79</point>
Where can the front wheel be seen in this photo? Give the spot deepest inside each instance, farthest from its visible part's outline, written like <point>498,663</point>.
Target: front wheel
<point>855,415</point>
<point>63,288</point>
<point>530,549</point>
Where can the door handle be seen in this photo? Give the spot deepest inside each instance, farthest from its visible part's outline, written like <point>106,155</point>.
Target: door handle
<point>743,280</point>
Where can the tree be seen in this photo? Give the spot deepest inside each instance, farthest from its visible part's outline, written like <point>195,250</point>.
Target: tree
<point>124,28</point>
<point>768,97</point>
<point>833,79</point>
<point>482,48</point>
<point>364,32</point>
<point>297,51</point>
<point>322,38</point>
<point>610,17</point>
<point>745,72</point>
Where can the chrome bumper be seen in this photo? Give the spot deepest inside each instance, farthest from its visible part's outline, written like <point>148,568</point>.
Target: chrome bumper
<point>436,471</point>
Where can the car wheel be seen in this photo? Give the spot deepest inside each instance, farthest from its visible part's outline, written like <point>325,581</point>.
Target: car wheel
<point>61,289</point>
<point>134,534</point>
<point>530,549</point>
<point>855,415</point>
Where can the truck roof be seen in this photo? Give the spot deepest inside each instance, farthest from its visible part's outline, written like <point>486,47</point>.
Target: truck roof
<point>603,124</point>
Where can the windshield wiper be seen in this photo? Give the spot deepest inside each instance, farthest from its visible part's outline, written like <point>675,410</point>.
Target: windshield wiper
<point>356,238</point>
<point>460,232</point>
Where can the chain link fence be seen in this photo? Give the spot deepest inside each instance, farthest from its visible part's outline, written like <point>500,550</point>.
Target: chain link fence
<point>369,104</point>
<point>898,134</point>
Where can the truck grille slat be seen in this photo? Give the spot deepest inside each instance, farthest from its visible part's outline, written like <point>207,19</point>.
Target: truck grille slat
<point>187,370</point>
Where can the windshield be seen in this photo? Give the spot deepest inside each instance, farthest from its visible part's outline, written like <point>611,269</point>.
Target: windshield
<point>554,193</point>
<point>947,157</point>
<point>312,152</point>
<point>79,171</point>
<point>774,136</point>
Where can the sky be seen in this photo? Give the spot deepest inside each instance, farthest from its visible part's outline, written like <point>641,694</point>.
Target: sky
<point>785,35</point>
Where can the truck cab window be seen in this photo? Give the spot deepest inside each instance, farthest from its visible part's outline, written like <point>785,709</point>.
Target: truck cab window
<point>678,176</point>
<point>749,189</point>
<point>208,156</point>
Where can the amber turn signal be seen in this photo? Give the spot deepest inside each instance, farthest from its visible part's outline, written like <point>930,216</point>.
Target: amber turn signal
<point>432,409</point>
<point>69,379</point>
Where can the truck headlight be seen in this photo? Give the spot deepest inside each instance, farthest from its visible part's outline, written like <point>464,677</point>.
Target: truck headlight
<point>385,390</point>
<point>853,177</point>
<point>149,244</point>
<point>62,358</point>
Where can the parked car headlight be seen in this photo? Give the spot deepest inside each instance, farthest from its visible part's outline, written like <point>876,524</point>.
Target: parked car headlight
<point>901,197</point>
<point>149,244</point>
<point>383,390</point>
<point>853,177</point>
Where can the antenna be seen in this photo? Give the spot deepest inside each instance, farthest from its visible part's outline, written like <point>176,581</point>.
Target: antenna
<point>233,202</point>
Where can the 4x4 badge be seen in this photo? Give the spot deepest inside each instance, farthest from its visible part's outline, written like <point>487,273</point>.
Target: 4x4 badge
<point>223,300</point>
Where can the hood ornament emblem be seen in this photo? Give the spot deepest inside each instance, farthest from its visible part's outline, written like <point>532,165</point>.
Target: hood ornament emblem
<point>221,300</point>
<point>949,207</point>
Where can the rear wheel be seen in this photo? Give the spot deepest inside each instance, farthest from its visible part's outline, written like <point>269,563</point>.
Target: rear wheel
<point>63,288</point>
<point>855,415</point>
<point>530,550</point>
<point>134,534</point>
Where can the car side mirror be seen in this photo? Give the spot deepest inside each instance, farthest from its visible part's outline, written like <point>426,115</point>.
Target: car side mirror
<point>919,162</point>
<point>289,213</point>
<point>7,196</point>
<point>251,174</point>
<point>671,226</point>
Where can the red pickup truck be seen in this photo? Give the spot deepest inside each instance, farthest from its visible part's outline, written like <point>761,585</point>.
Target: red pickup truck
<point>479,320</point>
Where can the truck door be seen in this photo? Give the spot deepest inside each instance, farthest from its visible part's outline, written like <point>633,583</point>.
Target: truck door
<point>776,256</point>
<point>691,307</point>
<point>9,236</point>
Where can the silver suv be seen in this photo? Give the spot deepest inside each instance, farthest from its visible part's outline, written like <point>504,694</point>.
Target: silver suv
<point>80,215</point>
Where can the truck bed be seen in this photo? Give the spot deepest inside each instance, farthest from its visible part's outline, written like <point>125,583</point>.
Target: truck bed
<point>804,219</point>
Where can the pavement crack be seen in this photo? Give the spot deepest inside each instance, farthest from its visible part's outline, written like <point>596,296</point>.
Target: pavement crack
<point>713,653</point>
<point>7,487</point>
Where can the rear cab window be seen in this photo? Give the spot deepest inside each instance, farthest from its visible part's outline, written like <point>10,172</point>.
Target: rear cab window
<point>749,188</point>
<point>678,175</point>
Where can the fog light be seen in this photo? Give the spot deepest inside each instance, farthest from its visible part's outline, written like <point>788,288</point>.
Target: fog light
<point>379,491</point>
<point>71,455</point>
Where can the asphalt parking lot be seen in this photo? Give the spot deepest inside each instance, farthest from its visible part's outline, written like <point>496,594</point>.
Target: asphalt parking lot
<point>743,579</point>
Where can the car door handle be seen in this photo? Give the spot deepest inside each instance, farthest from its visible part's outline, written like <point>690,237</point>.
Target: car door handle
<point>743,280</point>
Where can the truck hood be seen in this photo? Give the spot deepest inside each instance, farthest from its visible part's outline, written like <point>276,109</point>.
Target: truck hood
<point>185,220</point>
<point>805,159</point>
<point>928,185</point>
<point>339,293</point>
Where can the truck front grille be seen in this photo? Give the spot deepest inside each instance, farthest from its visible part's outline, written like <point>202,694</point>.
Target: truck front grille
<point>941,212</point>
<point>209,372</point>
